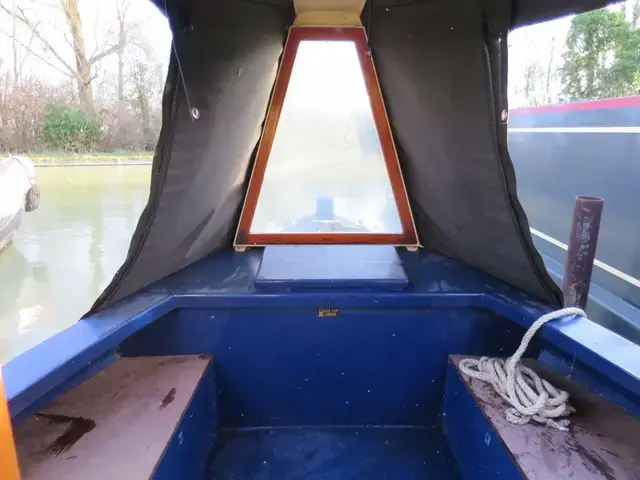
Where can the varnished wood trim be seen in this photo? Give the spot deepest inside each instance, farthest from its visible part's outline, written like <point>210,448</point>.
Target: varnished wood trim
<point>263,239</point>
<point>358,36</point>
<point>338,18</point>
<point>351,6</point>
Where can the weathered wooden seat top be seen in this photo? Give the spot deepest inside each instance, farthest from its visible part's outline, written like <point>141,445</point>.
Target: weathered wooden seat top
<point>603,441</point>
<point>116,425</point>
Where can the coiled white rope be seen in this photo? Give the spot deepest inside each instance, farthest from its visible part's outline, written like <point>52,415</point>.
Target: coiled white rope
<point>531,397</point>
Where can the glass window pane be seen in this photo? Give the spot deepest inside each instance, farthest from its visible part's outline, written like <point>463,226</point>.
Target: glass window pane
<point>326,171</point>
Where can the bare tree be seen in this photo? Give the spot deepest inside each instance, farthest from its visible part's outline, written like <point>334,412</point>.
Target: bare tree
<point>83,67</point>
<point>551,72</point>
<point>14,43</point>
<point>121,11</point>
<point>124,93</point>
<point>141,96</point>
<point>18,59</point>
<point>126,37</point>
<point>635,13</point>
<point>81,71</point>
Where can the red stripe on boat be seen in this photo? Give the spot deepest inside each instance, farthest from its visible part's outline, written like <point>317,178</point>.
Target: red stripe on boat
<point>606,103</point>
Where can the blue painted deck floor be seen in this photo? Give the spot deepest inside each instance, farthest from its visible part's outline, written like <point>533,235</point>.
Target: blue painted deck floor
<point>332,453</point>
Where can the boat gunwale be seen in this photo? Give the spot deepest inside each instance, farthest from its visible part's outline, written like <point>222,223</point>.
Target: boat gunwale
<point>94,340</point>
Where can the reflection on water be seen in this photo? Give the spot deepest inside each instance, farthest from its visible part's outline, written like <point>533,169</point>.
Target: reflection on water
<point>67,251</point>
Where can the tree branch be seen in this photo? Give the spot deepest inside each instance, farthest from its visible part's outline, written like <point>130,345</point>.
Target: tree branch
<point>24,58</point>
<point>47,45</point>
<point>105,53</point>
<point>68,74</point>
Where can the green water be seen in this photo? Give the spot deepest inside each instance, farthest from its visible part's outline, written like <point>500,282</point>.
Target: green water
<point>67,251</point>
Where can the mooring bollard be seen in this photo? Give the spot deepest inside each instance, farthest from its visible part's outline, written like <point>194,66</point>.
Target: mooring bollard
<point>578,268</point>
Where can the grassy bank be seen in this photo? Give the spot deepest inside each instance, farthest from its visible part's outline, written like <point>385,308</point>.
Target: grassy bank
<point>62,158</point>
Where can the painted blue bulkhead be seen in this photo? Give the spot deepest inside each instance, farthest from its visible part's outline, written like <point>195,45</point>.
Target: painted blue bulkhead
<point>357,363</point>
<point>359,368</point>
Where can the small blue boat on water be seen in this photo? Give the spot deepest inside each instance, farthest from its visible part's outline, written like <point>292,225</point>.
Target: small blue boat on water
<point>334,277</point>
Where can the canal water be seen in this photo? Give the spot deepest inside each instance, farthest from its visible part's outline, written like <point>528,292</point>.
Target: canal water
<point>67,251</point>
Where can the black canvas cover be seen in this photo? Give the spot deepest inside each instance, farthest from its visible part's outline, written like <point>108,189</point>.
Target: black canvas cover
<point>442,66</point>
<point>228,52</point>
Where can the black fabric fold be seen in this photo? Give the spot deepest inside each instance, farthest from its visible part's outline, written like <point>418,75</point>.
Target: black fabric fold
<point>443,85</point>
<point>229,54</point>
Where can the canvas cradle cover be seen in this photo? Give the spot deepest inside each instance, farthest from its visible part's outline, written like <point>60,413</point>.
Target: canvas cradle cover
<point>442,67</point>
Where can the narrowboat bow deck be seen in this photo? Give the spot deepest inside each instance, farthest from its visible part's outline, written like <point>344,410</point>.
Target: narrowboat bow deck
<point>237,343</point>
<point>289,374</point>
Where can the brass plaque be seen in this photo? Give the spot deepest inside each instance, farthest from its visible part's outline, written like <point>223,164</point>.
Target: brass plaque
<point>328,312</point>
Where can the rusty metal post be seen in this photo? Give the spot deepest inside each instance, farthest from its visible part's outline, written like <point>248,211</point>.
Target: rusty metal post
<point>585,227</point>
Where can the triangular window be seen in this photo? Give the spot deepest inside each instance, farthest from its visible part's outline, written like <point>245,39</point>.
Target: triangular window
<point>326,169</point>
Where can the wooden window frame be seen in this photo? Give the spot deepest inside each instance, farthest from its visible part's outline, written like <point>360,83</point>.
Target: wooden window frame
<point>408,237</point>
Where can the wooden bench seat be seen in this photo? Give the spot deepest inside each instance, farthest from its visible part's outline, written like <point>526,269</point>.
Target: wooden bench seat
<point>116,425</point>
<point>603,441</point>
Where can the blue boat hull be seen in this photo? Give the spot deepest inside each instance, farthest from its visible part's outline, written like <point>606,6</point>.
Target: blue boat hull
<point>348,374</point>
